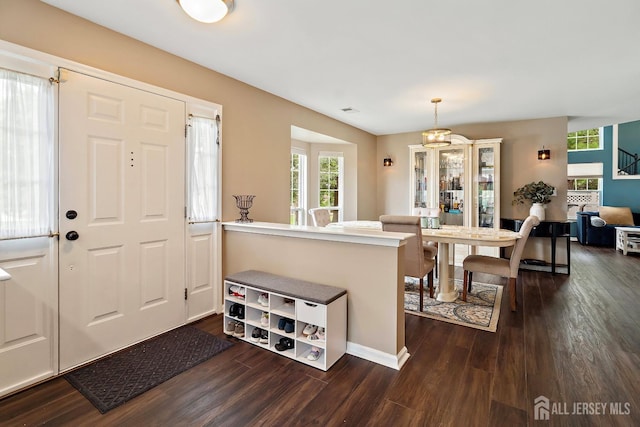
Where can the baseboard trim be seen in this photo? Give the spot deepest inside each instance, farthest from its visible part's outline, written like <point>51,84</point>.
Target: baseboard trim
<point>379,357</point>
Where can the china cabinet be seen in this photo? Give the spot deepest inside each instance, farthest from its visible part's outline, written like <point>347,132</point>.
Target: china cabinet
<point>462,180</point>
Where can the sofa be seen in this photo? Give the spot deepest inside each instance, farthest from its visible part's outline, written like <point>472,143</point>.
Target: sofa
<point>598,228</point>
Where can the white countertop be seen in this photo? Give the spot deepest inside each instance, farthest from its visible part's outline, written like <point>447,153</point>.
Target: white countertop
<point>348,235</point>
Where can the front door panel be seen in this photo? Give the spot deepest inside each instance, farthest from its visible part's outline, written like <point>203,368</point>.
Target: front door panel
<point>122,171</point>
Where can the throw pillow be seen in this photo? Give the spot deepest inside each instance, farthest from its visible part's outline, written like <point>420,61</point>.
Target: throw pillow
<point>616,215</point>
<point>596,221</point>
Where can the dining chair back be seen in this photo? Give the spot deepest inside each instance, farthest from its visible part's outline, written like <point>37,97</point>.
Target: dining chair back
<point>415,263</point>
<point>320,216</point>
<point>499,266</point>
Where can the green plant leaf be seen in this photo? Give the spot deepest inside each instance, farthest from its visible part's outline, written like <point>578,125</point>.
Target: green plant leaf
<point>534,192</point>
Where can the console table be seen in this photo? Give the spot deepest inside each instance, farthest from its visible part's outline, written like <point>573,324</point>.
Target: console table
<point>549,229</point>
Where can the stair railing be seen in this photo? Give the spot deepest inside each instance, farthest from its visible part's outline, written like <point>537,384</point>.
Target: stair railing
<point>627,162</point>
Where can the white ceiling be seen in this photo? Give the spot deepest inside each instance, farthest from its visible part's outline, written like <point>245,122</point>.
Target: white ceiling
<point>491,60</point>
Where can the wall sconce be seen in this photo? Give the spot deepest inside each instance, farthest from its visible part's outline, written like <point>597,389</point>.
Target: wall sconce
<point>387,161</point>
<point>544,154</point>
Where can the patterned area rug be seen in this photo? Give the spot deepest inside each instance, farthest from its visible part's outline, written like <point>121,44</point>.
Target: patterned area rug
<point>116,379</point>
<point>481,311</point>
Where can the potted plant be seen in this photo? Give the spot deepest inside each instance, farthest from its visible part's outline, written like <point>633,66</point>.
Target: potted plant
<point>538,193</point>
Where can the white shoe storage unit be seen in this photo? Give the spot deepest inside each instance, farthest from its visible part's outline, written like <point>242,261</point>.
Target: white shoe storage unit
<point>302,302</point>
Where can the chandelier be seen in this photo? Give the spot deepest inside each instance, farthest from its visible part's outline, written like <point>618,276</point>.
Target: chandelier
<point>207,11</point>
<point>436,137</point>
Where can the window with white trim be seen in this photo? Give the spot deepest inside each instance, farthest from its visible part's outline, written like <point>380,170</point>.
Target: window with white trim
<point>331,183</point>
<point>297,187</point>
<point>584,184</point>
<point>588,139</point>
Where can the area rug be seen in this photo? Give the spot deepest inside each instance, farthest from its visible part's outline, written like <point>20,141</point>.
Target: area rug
<point>481,311</point>
<point>116,379</point>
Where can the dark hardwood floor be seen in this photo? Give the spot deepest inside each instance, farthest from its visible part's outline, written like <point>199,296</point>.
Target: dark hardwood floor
<point>575,339</point>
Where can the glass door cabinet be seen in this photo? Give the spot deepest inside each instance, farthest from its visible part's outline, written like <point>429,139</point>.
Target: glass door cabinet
<point>463,180</point>
<point>487,182</point>
<point>451,178</point>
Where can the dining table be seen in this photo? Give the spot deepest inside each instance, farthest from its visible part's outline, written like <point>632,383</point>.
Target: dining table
<point>447,236</point>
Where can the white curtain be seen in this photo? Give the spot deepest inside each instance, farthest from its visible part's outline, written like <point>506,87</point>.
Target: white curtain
<point>26,155</point>
<point>202,169</point>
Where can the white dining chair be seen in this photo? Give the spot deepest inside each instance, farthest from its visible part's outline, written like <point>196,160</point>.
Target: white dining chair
<point>320,216</point>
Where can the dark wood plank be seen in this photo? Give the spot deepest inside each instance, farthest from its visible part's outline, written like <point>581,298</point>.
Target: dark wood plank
<point>391,414</point>
<point>573,339</point>
<point>360,405</point>
<point>509,385</point>
<point>506,415</point>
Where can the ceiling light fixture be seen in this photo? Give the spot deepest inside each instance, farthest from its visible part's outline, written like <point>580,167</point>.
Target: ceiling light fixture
<point>436,137</point>
<point>207,11</point>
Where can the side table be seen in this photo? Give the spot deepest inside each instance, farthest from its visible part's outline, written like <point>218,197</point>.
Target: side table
<point>628,239</point>
<point>550,229</point>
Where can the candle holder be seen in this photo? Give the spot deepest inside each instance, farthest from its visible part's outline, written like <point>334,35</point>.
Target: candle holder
<point>244,202</point>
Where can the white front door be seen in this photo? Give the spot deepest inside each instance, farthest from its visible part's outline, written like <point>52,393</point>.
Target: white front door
<point>122,254</point>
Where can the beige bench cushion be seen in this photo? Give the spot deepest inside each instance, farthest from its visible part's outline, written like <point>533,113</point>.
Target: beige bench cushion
<point>616,216</point>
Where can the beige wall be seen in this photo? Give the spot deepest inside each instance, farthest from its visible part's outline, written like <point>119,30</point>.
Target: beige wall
<point>519,163</point>
<point>256,125</point>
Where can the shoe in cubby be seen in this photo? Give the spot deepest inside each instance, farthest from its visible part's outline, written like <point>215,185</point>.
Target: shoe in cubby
<point>255,335</point>
<point>264,319</point>
<point>237,291</point>
<point>314,354</point>
<point>286,324</point>
<point>263,299</point>
<point>309,329</point>
<point>233,310</point>
<point>230,327</point>
<point>236,310</point>
<point>239,330</point>
<point>289,326</point>
<point>285,344</point>
<point>318,335</point>
<point>264,337</point>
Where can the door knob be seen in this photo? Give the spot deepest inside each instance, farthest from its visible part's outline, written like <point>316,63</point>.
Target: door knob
<point>72,235</point>
<point>71,214</point>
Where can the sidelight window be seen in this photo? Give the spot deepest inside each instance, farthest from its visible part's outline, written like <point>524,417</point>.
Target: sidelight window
<point>203,149</point>
<point>26,155</point>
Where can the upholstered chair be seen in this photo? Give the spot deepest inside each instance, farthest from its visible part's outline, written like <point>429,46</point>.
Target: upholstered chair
<point>320,216</point>
<point>416,264</point>
<point>431,251</point>
<point>499,266</point>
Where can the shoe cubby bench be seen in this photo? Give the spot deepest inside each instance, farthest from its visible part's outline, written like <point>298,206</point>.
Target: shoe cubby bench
<point>281,308</point>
